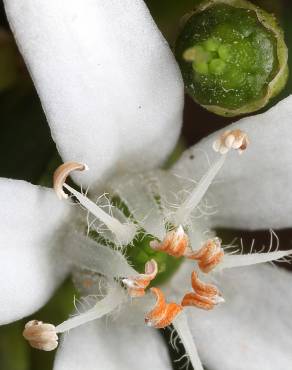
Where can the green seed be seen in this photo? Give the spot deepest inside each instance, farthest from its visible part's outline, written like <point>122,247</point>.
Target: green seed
<point>211,44</point>
<point>224,52</point>
<point>201,68</point>
<point>232,55</point>
<point>217,66</point>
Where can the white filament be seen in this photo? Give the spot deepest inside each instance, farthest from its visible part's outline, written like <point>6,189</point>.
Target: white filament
<point>88,254</point>
<point>183,212</point>
<point>105,306</point>
<point>181,326</point>
<point>123,232</point>
<point>238,260</point>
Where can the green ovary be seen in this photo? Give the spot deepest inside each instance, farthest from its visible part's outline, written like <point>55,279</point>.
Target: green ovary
<point>139,253</point>
<point>227,57</point>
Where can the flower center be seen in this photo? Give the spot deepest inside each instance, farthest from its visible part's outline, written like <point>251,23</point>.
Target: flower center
<point>140,252</point>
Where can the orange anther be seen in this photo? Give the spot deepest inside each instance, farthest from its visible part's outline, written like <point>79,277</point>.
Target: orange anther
<point>205,296</point>
<point>175,243</point>
<point>137,284</point>
<point>208,256</point>
<point>163,313</point>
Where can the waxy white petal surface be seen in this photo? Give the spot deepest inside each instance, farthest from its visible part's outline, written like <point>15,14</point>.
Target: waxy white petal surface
<point>31,220</point>
<point>108,82</point>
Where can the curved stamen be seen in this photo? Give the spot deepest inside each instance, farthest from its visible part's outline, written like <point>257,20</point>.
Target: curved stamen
<point>208,256</point>
<point>114,298</point>
<point>137,284</point>
<point>174,243</point>
<point>205,296</point>
<point>235,139</point>
<point>61,174</point>
<point>163,313</point>
<point>124,233</point>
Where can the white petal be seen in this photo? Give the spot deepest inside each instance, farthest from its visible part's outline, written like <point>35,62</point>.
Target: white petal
<point>30,265</point>
<point>108,82</point>
<point>112,346</point>
<point>253,190</point>
<point>252,329</point>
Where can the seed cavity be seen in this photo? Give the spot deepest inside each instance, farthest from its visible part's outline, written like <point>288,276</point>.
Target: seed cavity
<point>41,336</point>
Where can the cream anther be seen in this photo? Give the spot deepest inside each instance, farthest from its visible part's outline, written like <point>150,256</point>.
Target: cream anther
<point>231,139</point>
<point>41,336</point>
<point>61,174</point>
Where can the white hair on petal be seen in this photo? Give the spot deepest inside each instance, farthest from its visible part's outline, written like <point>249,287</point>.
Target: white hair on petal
<point>268,253</point>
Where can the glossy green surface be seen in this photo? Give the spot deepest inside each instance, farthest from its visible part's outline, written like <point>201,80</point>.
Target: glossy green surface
<point>227,57</point>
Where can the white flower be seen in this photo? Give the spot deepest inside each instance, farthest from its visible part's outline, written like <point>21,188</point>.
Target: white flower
<point>113,96</point>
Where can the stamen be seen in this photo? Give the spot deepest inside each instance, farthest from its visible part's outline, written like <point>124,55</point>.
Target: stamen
<point>124,232</point>
<point>137,284</point>
<point>181,326</point>
<point>182,214</point>
<point>61,174</point>
<point>163,313</point>
<point>205,296</point>
<point>114,298</point>
<point>41,336</point>
<point>209,255</point>
<point>174,243</point>
<point>239,260</point>
<point>231,139</point>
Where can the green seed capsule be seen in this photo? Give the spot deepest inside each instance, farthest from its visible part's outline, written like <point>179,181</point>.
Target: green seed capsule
<point>232,56</point>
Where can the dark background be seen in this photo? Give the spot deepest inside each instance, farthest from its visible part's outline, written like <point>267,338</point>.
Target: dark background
<point>27,152</point>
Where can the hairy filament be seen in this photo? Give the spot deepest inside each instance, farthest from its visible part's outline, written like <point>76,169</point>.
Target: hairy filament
<point>105,306</point>
<point>183,213</point>
<point>124,233</point>
<point>88,254</point>
<point>181,326</point>
<point>238,260</point>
